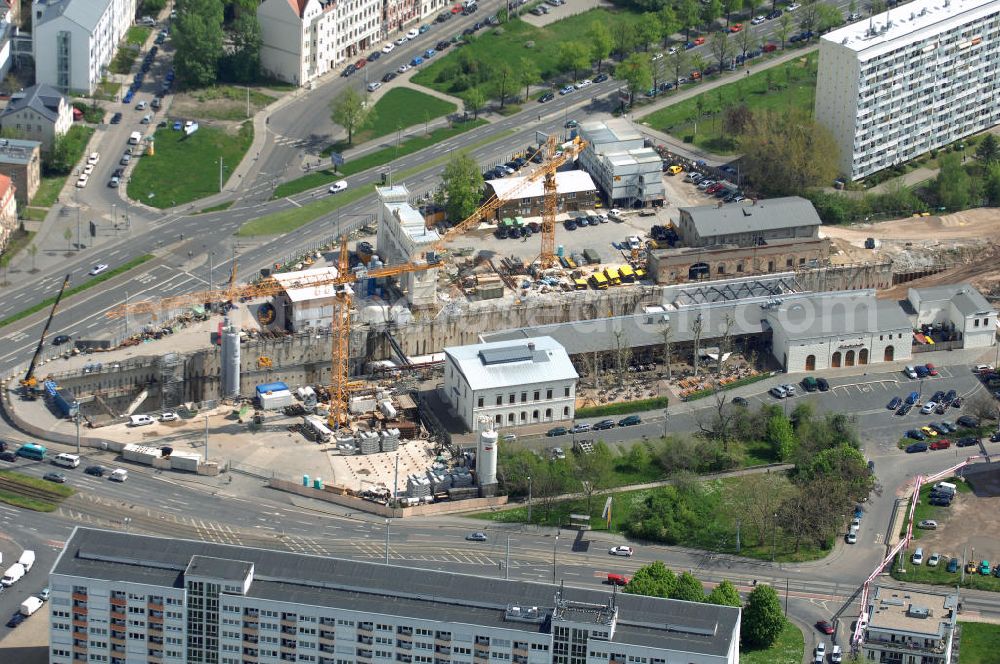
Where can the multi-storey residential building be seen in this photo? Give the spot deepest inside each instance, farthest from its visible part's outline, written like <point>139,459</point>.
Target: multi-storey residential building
<point>909,627</point>
<point>74,41</point>
<point>8,210</point>
<point>510,383</point>
<point>121,598</point>
<point>625,169</point>
<point>303,39</point>
<point>909,80</point>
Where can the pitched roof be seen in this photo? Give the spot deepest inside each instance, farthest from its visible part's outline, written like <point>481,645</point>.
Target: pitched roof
<point>6,184</point>
<point>966,298</point>
<point>567,182</point>
<point>505,363</point>
<point>43,99</point>
<point>764,215</point>
<point>298,6</point>
<point>823,315</point>
<point>85,13</point>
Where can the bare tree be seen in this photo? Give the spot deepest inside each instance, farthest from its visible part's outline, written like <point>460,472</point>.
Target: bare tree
<point>756,499</point>
<point>726,342</point>
<point>623,355</point>
<point>696,328</point>
<point>982,406</point>
<point>668,333</point>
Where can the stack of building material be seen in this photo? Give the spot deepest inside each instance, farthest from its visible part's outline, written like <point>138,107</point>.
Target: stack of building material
<point>389,440</point>
<point>387,409</point>
<point>418,487</point>
<point>439,481</point>
<point>368,441</point>
<point>461,477</point>
<point>361,405</point>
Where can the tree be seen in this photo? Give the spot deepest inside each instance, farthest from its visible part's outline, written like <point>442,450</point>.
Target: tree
<point>697,325</point>
<point>725,594</point>
<point>624,35</point>
<point>600,43</point>
<point>762,617</point>
<point>351,112</point>
<point>730,6</point>
<point>688,13</point>
<point>982,406</point>
<point>463,184</point>
<point>791,153</point>
<point>634,70</point>
<point>594,470</point>
<point>59,161</point>
<point>737,120</point>
<point>721,48</point>
<point>649,30</point>
<point>688,589</point>
<point>669,23</point>
<point>952,182</point>
<point>991,188</point>
<point>502,81</point>
<point>242,64</point>
<point>667,333</point>
<point>653,580</point>
<point>784,28</point>
<point>747,39</point>
<point>474,100</point>
<point>681,61</point>
<point>988,151</point>
<point>573,56</point>
<point>780,437</point>
<point>197,36</point>
<point>710,12</point>
<point>827,17</point>
<point>755,500</point>
<point>809,16</point>
<point>527,75</point>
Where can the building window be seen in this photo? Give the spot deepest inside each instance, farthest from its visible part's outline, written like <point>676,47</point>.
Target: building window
<point>499,400</point>
<point>977,322</point>
<point>480,402</point>
<point>524,397</point>
<point>565,411</point>
<point>537,394</point>
<point>548,394</point>
<point>789,262</point>
<point>510,398</point>
<point>534,416</point>
<point>524,416</point>
<point>510,418</point>
<point>548,413</point>
<point>498,419</point>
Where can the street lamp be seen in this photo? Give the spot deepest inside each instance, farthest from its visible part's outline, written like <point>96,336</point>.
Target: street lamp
<point>387,541</point>
<point>529,499</point>
<point>554,545</point>
<point>774,534</point>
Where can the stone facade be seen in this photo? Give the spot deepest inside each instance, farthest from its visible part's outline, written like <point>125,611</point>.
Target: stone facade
<point>671,266</point>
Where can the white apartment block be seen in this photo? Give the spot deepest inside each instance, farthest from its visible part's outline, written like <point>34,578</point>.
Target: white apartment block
<point>74,41</point>
<point>403,237</point>
<point>122,598</point>
<point>909,627</point>
<point>915,78</point>
<point>510,383</point>
<point>617,159</point>
<point>302,40</point>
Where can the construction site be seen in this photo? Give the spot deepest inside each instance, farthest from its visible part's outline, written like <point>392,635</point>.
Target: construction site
<point>343,353</point>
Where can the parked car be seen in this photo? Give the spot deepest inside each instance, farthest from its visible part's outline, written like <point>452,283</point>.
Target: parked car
<point>928,408</point>
<point>822,383</point>
<point>477,536</point>
<point>97,269</point>
<point>968,421</point>
<point>629,421</point>
<point>58,478</point>
<point>895,403</point>
<point>557,431</point>
<point>904,409</point>
<point>927,524</point>
<point>916,447</point>
<point>96,471</point>
<point>621,551</point>
<point>60,339</point>
<point>966,441</point>
<point>778,392</point>
<point>548,96</point>
<point>931,369</point>
<point>604,424</point>
<point>952,566</point>
<point>942,444</point>
<point>912,398</point>
<point>566,89</point>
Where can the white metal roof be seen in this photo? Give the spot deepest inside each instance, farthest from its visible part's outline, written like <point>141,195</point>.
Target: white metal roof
<point>516,362</point>
<point>567,182</point>
<point>297,284</point>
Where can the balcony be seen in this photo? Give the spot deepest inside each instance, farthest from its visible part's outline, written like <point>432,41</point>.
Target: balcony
<point>80,610</point>
<point>118,615</point>
<point>118,601</point>
<point>155,607</point>
<point>249,631</point>
<point>327,636</point>
<point>252,640</point>
<point>288,622</point>
<point>80,597</point>
<point>937,648</point>
<point>79,623</point>
<point>82,650</point>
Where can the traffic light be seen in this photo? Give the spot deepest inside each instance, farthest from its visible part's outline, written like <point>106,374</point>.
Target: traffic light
<point>93,229</point>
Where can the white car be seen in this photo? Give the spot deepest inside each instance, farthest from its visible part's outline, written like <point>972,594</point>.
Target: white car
<point>93,158</point>
<point>338,186</point>
<point>656,57</point>
<point>621,551</point>
<point>584,83</point>
<point>672,51</point>
<point>854,17</point>
<point>88,169</point>
<point>933,560</point>
<point>401,41</point>
<point>789,389</point>
<point>836,655</point>
<point>820,649</point>
<point>412,34</point>
<point>792,7</point>
<point>141,106</point>
<point>389,48</point>
<point>169,416</point>
<point>403,68</point>
<point>928,408</point>
<point>757,20</point>
<point>188,124</point>
<point>97,269</point>
<point>909,372</point>
<point>778,392</point>
<point>852,538</point>
<point>82,181</point>
<point>980,368</point>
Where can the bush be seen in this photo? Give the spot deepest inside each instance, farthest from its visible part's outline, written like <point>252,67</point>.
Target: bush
<point>624,408</point>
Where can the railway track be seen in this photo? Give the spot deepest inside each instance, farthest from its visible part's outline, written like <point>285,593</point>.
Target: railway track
<point>25,490</point>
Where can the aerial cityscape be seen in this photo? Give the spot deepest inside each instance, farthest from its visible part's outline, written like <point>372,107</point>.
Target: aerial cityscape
<point>485,331</point>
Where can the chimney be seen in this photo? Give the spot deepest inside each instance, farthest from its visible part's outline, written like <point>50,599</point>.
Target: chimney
<point>531,346</point>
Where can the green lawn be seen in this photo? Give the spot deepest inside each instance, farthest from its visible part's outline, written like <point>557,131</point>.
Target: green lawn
<point>48,190</point>
<point>980,643</point>
<point>792,85</point>
<point>294,217</point>
<point>56,492</point>
<point>787,649</point>
<point>124,58</point>
<point>138,34</point>
<point>19,240</point>
<point>716,534</point>
<point>186,168</point>
<point>380,157</point>
<point>459,69</point>
<point>399,108</point>
<point>217,208</point>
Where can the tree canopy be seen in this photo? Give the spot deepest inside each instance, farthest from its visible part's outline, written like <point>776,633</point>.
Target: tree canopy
<point>351,112</point>
<point>197,36</point>
<point>762,617</point>
<point>463,184</point>
<point>790,152</point>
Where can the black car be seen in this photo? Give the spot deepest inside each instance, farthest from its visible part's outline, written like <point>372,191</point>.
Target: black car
<point>374,56</point>
<point>940,501</point>
<point>773,15</point>
<point>569,225</point>
<point>60,339</point>
<point>388,77</point>
<point>968,421</point>
<point>916,447</point>
<point>3,446</point>
<point>995,438</point>
<point>915,434</point>
<point>118,172</point>
<point>548,96</point>
<point>895,403</point>
<point>600,78</point>
<point>821,383</point>
<point>15,620</point>
<point>441,45</point>
<point>938,396</point>
<point>8,456</point>
<point>604,424</point>
<point>96,471</point>
<point>557,431</point>
<point>966,441</point>
<point>904,409</point>
<point>948,398</point>
<point>740,401</point>
<point>629,421</point>
<point>350,69</point>
<point>116,118</point>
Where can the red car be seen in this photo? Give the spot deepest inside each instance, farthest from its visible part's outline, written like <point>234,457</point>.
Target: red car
<point>698,41</point>
<point>695,75</point>
<point>714,188</point>
<point>931,369</point>
<point>736,27</point>
<point>457,9</point>
<point>618,579</point>
<point>770,48</point>
<point>824,626</point>
<point>942,444</point>
<point>360,63</point>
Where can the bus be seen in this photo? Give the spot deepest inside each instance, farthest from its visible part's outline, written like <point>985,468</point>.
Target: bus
<point>31,451</point>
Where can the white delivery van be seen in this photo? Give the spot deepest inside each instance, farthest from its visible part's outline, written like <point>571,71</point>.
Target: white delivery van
<point>26,560</point>
<point>30,605</point>
<point>134,138</point>
<point>119,475</point>
<point>66,460</point>
<point>140,420</point>
<point>12,575</point>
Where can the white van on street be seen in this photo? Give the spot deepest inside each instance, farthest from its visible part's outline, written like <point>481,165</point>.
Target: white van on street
<point>66,460</point>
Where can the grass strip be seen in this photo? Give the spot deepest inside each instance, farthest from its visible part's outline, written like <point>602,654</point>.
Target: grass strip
<point>980,643</point>
<point>623,408</point>
<point>787,648</point>
<point>93,281</point>
<point>27,503</point>
<point>377,158</point>
<point>217,208</point>
<point>289,219</point>
<point>57,490</point>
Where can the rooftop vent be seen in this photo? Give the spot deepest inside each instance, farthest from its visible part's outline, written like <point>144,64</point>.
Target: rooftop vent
<point>915,611</point>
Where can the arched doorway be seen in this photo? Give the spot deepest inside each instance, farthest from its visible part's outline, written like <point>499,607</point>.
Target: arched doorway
<point>889,354</point>
<point>849,359</point>
<point>863,356</point>
<point>810,362</point>
<point>699,271</point>
<point>835,360</point>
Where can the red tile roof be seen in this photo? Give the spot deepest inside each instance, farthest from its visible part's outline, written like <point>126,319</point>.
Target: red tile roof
<point>298,6</point>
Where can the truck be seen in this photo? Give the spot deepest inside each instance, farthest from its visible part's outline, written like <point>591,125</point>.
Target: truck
<point>13,574</point>
<point>26,560</point>
<point>118,475</point>
<point>30,605</point>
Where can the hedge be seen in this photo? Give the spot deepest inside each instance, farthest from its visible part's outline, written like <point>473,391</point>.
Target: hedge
<point>739,383</point>
<point>623,408</point>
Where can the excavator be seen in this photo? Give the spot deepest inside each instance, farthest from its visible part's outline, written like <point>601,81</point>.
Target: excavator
<point>29,384</point>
